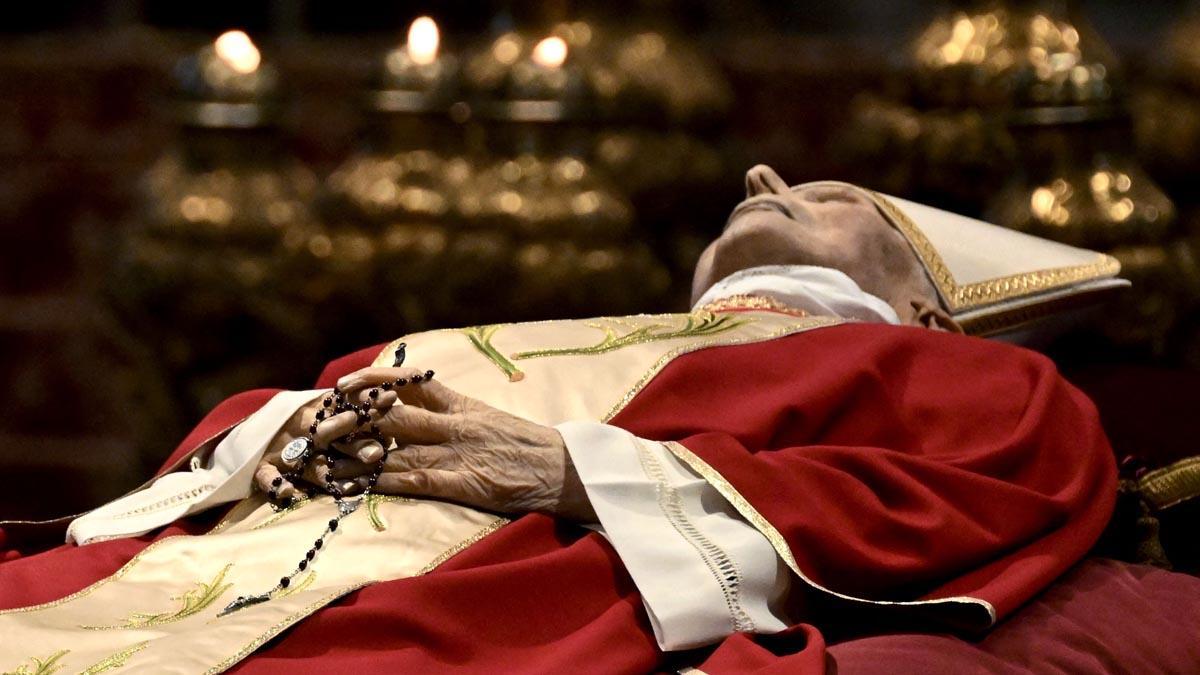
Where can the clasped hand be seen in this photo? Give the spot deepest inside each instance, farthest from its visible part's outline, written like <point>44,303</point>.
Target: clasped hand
<point>446,446</point>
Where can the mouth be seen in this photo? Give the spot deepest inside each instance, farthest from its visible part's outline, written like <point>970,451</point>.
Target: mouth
<point>760,203</point>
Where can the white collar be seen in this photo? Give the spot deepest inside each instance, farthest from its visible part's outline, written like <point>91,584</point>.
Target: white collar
<point>820,291</point>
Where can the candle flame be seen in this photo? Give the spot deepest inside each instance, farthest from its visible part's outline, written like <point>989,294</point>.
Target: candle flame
<point>551,52</point>
<point>423,39</point>
<point>237,50</point>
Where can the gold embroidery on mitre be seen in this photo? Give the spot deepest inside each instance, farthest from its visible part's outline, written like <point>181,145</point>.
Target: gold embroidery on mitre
<point>44,666</point>
<point>114,661</point>
<point>970,296</point>
<point>193,602</point>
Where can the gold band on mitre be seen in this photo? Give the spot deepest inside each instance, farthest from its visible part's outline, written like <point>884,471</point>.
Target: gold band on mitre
<point>993,279</point>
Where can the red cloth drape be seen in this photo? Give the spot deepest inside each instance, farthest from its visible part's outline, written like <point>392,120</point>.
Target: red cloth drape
<point>897,463</point>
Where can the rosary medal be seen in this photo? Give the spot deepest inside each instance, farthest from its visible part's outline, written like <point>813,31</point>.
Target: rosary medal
<point>295,450</point>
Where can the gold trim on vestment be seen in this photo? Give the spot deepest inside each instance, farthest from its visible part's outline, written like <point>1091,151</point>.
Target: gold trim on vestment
<point>280,626</point>
<point>696,324</point>
<point>805,323</point>
<point>1172,484</point>
<point>978,294</point>
<point>114,661</point>
<point>293,618</point>
<point>751,514</point>
<point>194,601</point>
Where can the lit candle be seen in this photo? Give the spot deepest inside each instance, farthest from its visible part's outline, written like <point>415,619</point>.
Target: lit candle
<point>550,53</point>
<point>417,65</point>
<point>423,40</point>
<point>542,76</point>
<point>237,50</point>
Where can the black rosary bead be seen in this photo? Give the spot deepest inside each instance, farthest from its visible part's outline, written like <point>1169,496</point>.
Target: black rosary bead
<point>319,543</point>
<point>428,375</point>
<point>311,554</point>
<point>386,386</point>
<point>312,428</point>
<point>374,394</point>
<point>328,402</point>
<point>277,481</point>
<point>401,381</point>
<point>320,415</point>
<point>272,494</point>
<point>303,565</point>
<point>284,581</point>
<point>363,417</point>
<point>333,524</point>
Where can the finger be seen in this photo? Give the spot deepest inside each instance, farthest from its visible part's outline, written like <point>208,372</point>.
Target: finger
<point>385,400</point>
<point>333,428</point>
<point>350,468</point>
<point>367,450</point>
<point>375,376</point>
<point>412,424</point>
<point>270,481</point>
<point>317,472</point>
<point>412,457</point>
<point>376,396</point>
<point>429,393</point>
<point>330,429</point>
<point>451,485</point>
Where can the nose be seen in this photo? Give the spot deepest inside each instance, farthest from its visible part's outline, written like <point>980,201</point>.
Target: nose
<point>762,180</point>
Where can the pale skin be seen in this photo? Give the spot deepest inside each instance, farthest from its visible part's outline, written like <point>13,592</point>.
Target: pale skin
<point>453,447</point>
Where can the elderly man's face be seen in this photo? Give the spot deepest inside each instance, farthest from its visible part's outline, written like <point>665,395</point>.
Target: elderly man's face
<point>829,226</point>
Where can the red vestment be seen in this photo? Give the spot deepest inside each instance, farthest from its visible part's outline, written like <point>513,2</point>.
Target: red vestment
<point>898,463</point>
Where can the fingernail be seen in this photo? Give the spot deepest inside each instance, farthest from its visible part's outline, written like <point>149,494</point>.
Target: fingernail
<point>370,453</point>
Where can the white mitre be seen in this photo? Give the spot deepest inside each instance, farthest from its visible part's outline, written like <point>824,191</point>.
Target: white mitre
<point>995,281</point>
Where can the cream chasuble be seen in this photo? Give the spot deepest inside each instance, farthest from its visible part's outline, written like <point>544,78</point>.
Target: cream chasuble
<point>158,613</point>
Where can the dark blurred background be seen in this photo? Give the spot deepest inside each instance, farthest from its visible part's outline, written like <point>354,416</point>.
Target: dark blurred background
<point>187,212</point>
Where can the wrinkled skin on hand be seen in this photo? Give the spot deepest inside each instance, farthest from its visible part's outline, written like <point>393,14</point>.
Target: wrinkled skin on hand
<point>453,447</point>
<point>271,465</point>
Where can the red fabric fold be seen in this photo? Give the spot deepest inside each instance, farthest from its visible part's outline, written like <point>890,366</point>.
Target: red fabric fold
<point>899,463</point>
<point>896,462</point>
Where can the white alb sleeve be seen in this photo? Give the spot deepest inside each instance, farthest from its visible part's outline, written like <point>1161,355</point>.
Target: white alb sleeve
<point>702,570</point>
<point>226,476</point>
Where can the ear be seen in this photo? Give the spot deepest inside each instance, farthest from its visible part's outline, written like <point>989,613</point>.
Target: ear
<point>933,317</point>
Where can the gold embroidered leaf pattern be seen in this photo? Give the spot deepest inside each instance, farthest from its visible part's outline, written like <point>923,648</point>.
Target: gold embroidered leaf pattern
<point>699,324</point>
<point>192,602</point>
<point>481,338</point>
<point>40,666</point>
<point>373,502</point>
<point>115,661</point>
